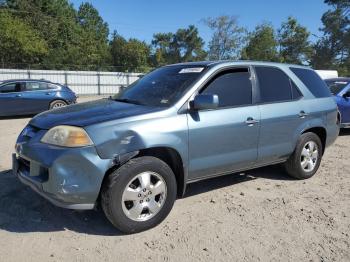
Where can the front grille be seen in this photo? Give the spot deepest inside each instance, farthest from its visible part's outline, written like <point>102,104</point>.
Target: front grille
<point>38,172</point>
<point>24,162</point>
<point>24,165</point>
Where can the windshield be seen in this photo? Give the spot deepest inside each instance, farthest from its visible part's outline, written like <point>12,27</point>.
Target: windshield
<point>162,87</point>
<point>336,86</point>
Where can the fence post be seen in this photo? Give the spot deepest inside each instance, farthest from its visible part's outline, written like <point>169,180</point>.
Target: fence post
<point>28,72</point>
<point>98,83</point>
<point>128,79</point>
<point>65,78</point>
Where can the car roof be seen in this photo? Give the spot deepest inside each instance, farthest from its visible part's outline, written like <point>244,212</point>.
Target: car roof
<point>237,62</point>
<point>24,80</point>
<point>346,79</point>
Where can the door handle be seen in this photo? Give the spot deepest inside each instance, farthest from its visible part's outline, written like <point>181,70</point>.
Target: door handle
<point>251,121</point>
<point>302,114</point>
<point>48,93</point>
<point>19,95</point>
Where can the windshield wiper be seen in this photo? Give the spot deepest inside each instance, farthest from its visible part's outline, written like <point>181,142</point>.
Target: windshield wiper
<point>127,100</point>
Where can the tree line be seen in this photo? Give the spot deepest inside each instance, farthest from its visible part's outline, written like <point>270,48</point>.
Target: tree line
<point>52,34</point>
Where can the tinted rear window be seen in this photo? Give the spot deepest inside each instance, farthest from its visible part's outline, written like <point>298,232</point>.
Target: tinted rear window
<point>274,85</point>
<point>312,81</point>
<point>336,86</point>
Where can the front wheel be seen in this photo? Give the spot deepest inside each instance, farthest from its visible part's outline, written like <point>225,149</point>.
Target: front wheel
<point>306,159</point>
<point>139,195</point>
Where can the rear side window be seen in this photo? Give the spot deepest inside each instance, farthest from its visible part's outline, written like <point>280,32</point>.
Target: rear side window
<point>33,86</point>
<point>233,88</point>
<point>312,81</point>
<point>52,86</point>
<point>275,85</point>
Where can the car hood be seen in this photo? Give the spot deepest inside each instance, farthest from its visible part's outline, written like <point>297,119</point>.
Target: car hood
<point>89,113</point>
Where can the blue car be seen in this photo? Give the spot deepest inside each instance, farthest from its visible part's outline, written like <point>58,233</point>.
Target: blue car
<point>29,97</point>
<point>340,89</point>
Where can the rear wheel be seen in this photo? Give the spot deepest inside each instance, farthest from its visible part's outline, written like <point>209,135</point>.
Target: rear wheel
<point>338,119</point>
<point>139,195</point>
<point>57,104</point>
<point>306,159</point>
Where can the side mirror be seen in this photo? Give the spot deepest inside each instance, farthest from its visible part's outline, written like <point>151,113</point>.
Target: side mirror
<point>203,101</point>
<point>347,95</point>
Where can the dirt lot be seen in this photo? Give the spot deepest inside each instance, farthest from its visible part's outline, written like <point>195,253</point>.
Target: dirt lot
<point>260,215</point>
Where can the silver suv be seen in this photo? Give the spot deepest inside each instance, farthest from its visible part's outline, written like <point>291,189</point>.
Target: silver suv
<point>135,152</point>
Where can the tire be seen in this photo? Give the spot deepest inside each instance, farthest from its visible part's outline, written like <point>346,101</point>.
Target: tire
<point>121,212</point>
<point>57,104</point>
<point>298,165</point>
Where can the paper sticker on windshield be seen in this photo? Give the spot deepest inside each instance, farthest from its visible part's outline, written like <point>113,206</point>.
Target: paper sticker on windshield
<point>191,70</point>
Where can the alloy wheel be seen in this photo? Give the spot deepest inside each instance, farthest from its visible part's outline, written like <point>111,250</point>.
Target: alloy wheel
<point>309,156</point>
<point>144,196</point>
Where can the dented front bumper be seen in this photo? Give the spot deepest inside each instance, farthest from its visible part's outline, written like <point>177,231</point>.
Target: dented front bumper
<point>67,177</point>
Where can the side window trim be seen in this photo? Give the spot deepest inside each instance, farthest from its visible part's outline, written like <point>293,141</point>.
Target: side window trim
<point>255,86</point>
<point>297,88</point>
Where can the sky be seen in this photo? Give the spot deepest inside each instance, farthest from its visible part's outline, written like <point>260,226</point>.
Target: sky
<point>142,18</point>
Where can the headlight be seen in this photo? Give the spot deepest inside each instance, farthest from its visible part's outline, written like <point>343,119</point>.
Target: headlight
<point>68,136</point>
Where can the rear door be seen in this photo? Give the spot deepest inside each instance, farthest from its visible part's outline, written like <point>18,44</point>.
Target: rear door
<point>37,96</point>
<point>221,140</point>
<point>282,112</point>
<point>10,97</point>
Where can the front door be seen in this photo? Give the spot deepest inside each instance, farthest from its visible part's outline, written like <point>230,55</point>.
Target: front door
<point>37,97</point>
<point>224,139</point>
<point>344,105</point>
<point>10,97</point>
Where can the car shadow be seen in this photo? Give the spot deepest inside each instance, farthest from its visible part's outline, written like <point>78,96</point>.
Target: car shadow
<point>23,211</point>
<point>344,132</point>
<point>15,117</point>
<point>275,172</point>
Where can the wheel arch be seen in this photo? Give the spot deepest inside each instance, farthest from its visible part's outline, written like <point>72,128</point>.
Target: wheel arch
<point>321,132</point>
<point>173,159</point>
<point>339,117</point>
<point>57,99</point>
<point>167,154</point>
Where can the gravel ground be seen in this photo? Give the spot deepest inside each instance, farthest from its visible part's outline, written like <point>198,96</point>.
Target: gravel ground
<point>260,215</point>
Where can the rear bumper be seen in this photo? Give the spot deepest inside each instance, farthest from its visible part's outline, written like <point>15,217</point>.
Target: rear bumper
<point>332,134</point>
